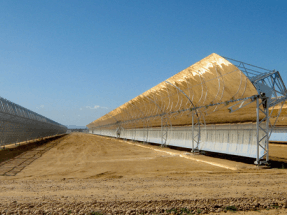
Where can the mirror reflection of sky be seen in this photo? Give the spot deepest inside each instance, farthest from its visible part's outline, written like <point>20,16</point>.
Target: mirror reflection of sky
<point>279,136</point>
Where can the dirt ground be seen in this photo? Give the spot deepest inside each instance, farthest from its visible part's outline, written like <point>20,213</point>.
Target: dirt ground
<point>278,152</point>
<point>84,173</point>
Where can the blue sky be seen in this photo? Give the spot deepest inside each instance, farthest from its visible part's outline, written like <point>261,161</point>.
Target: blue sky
<point>74,61</point>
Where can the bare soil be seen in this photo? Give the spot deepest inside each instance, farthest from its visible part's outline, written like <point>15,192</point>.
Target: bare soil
<point>84,173</point>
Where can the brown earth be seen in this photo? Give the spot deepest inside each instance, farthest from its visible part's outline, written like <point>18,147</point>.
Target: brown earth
<point>80,173</point>
<point>278,152</point>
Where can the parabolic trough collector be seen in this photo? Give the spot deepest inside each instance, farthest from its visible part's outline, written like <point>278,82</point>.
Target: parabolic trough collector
<point>217,104</point>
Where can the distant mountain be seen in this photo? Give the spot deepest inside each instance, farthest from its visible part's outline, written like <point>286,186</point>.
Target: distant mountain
<point>76,127</point>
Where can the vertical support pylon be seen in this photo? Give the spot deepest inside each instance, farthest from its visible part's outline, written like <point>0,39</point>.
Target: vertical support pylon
<point>146,140</point>
<point>257,130</point>
<point>164,130</point>
<point>265,138</point>
<point>195,138</point>
<point>192,132</point>
<point>267,130</point>
<point>118,132</point>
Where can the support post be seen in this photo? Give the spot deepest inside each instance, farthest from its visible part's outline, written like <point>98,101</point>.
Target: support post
<point>164,130</point>
<point>193,132</point>
<point>262,142</point>
<point>146,131</point>
<point>257,130</point>
<point>267,130</point>
<point>161,132</point>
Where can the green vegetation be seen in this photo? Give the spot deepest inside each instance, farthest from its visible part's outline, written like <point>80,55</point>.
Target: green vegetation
<point>199,211</point>
<point>95,213</point>
<point>275,206</point>
<point>231,208</point>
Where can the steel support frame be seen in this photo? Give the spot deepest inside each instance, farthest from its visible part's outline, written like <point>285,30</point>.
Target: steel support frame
<point>145,121</point>
<point>262,125</point>
<point>164,123</point>
<point>195,138</point>
<point>164,130</point>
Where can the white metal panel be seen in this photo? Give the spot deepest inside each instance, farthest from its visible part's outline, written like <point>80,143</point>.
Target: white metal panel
<point>234,139</point>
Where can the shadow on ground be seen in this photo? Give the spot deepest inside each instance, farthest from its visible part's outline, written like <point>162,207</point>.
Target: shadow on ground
<point>274,162</point>
<point>14,160</point>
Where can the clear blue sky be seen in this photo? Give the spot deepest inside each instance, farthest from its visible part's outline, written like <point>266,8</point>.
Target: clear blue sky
<point>74,61</point>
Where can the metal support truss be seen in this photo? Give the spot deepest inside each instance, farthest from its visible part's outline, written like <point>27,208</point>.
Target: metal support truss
<point>195,112</point>
<point>164,130</point>
<point>265,81</point>
<point>195,138</point>
<point>263,125</point>
<point>118,132</point>
<point>164,123</point>
<point>144,121</point>
<point>146,139</point>
<point>271,91</point>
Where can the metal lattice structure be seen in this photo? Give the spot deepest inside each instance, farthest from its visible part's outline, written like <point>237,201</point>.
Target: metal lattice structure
<point>272,94</point>
<point>20,124</point>
<point>218,104</point>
